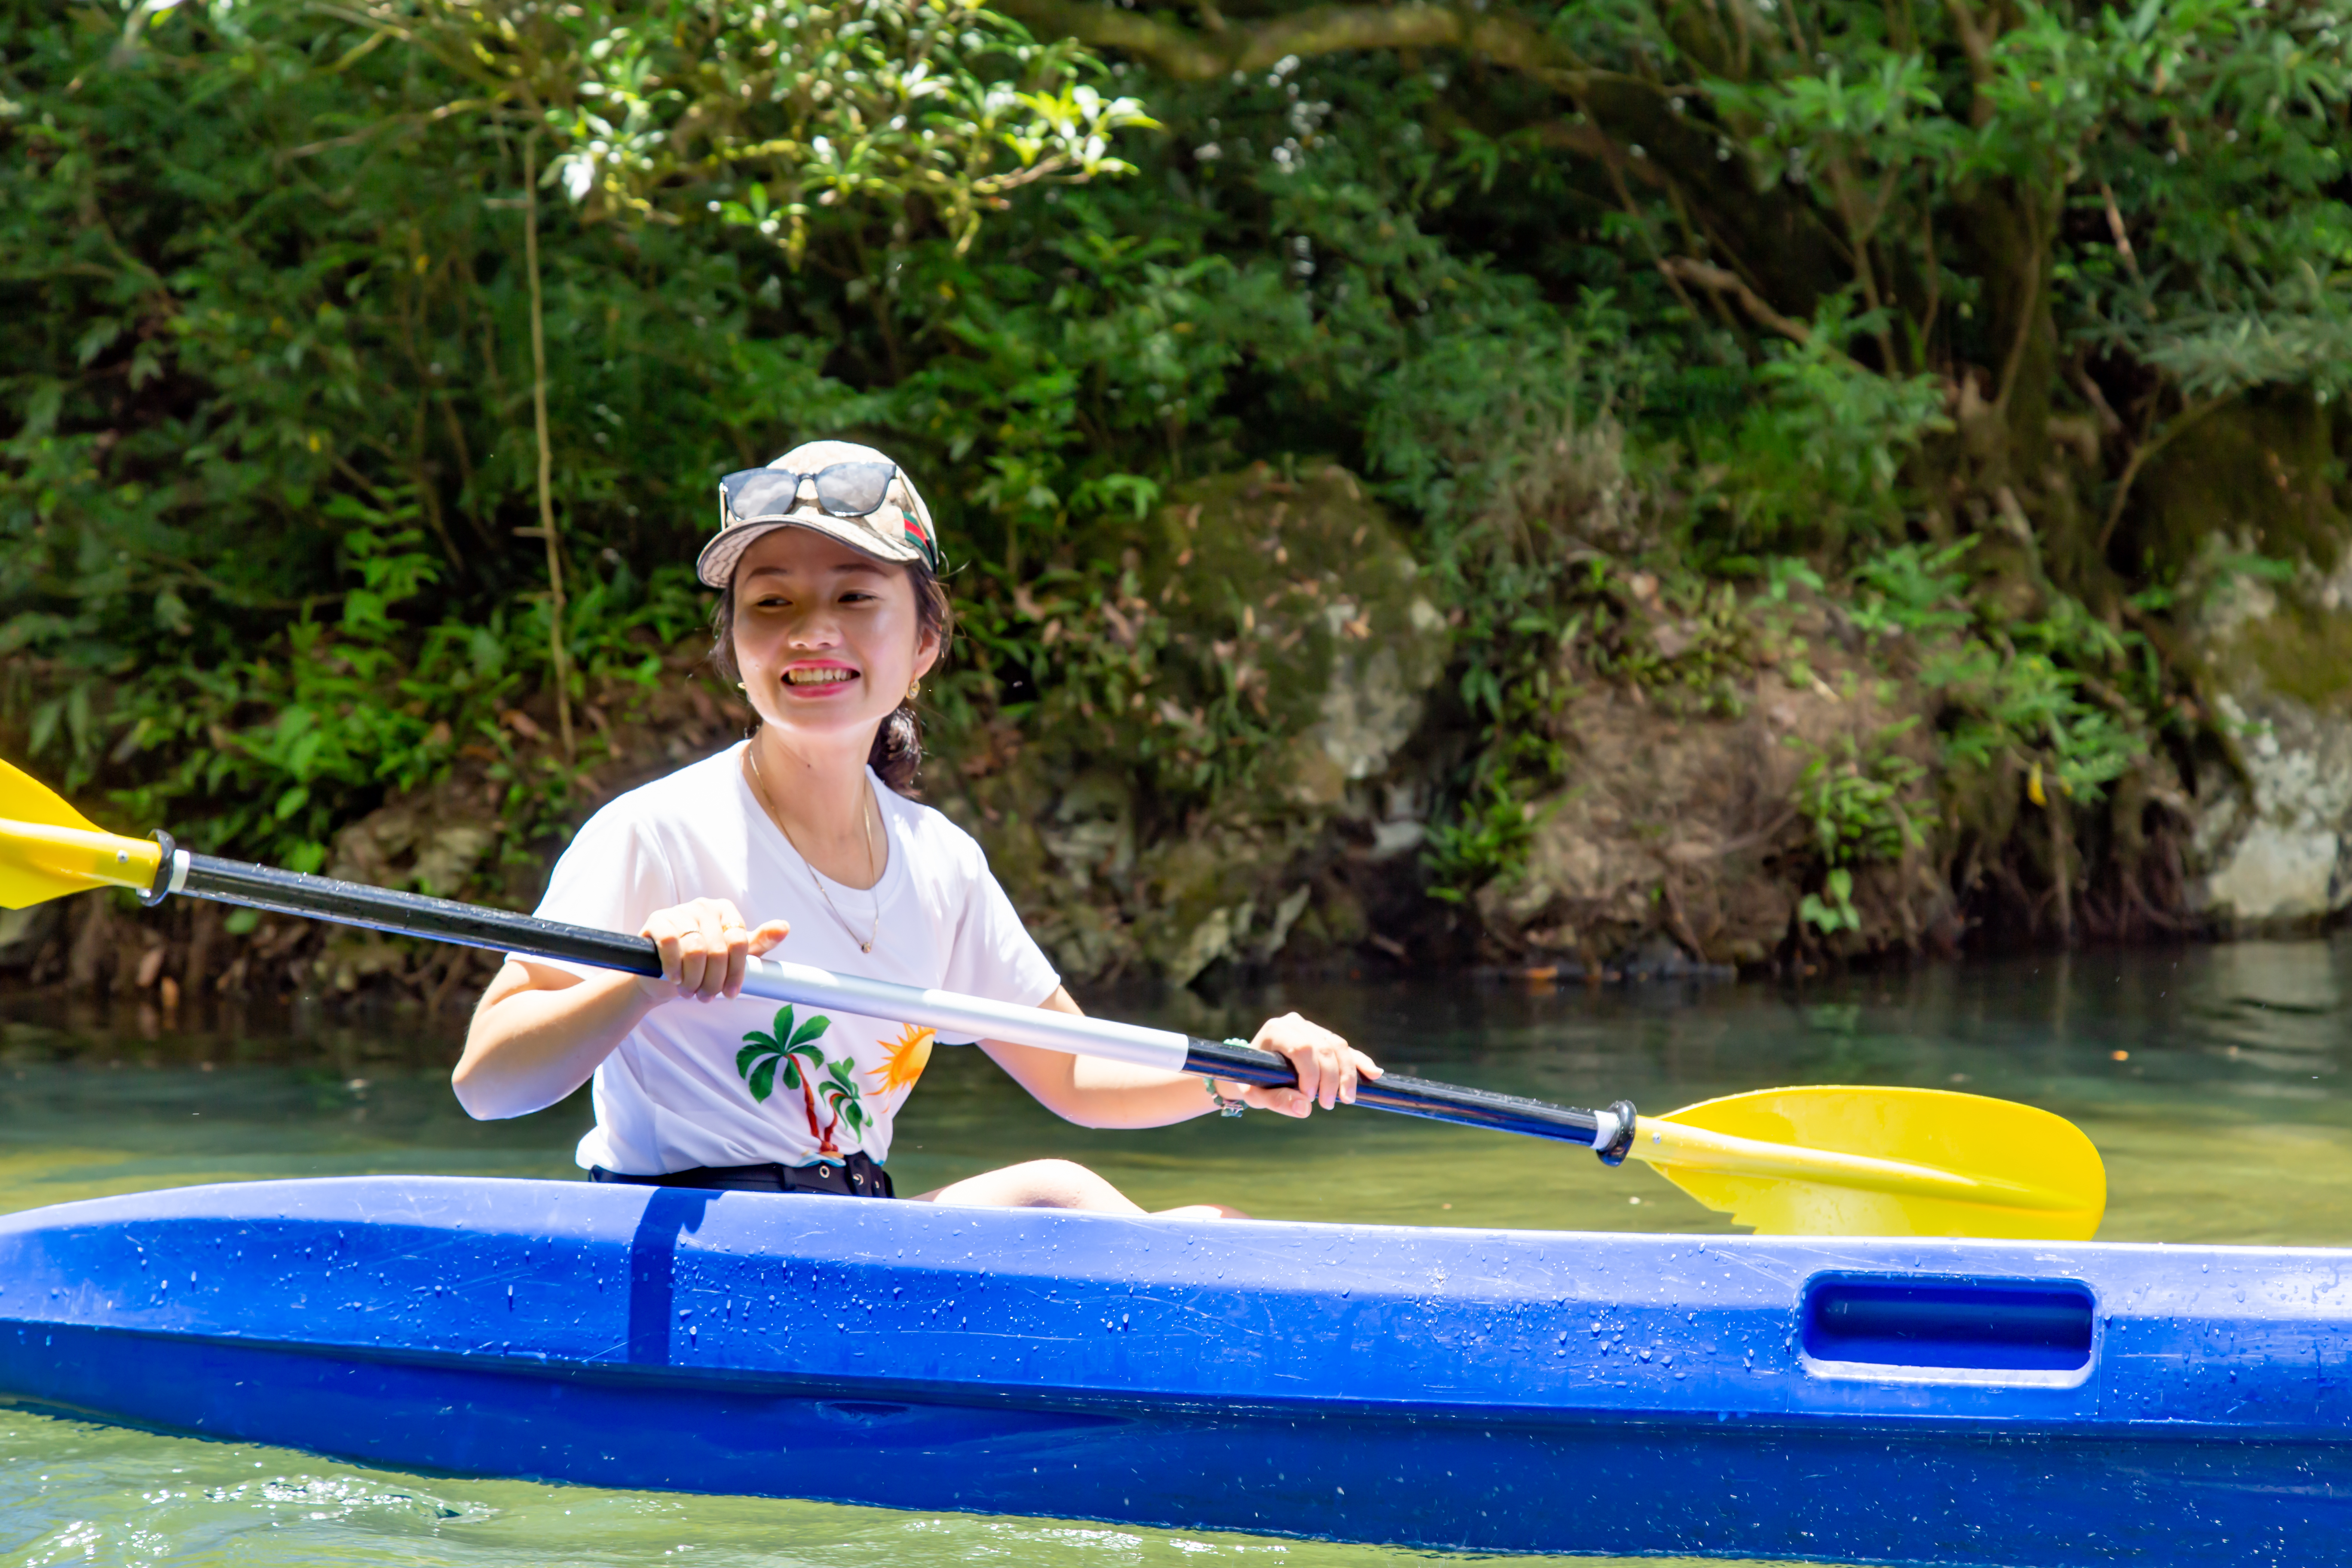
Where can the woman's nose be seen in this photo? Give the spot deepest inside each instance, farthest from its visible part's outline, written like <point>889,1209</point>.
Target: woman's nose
<point>817,628</point>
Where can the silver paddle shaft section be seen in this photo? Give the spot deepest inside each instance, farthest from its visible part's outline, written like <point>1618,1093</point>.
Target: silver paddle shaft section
<point>1166,1050</point>
<point>952,1012</point>
<point>501,930</point>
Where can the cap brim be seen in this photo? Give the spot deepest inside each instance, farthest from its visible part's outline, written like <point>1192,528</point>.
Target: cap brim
<point>716,565</point>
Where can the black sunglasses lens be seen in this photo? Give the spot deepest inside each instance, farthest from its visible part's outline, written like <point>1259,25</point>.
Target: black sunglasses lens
<point>854,490</point>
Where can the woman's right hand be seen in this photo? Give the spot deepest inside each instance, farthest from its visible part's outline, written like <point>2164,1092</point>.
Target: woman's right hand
<point>705,949</point>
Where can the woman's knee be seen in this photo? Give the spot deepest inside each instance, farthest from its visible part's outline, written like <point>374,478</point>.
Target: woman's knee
<point>1038,1184</point>
<point>1063,1184</point>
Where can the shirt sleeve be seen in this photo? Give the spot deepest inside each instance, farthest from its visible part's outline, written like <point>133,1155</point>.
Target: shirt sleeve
<point>993,954</point>
<point>611,877</point>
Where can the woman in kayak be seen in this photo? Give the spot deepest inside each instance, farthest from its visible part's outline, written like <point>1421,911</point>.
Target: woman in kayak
<point>831,613</point>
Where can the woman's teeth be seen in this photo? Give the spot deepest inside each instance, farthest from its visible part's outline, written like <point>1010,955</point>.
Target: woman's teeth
<point>818,677</point>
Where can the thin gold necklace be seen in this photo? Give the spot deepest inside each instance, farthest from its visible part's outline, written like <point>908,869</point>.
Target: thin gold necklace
<point>874,931</point>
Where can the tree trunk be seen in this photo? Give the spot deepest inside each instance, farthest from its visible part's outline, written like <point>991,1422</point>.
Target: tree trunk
<point>558,658</point>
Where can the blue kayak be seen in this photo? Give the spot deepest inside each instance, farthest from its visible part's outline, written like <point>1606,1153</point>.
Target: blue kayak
<point>1884,1401</point>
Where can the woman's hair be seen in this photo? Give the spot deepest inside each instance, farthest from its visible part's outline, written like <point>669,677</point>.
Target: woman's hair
<point>897,753</point>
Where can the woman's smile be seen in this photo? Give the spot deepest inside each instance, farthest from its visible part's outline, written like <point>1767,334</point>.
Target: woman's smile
<point>819,679</point>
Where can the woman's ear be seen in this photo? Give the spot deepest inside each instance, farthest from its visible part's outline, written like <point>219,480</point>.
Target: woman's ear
<point>926,651</point>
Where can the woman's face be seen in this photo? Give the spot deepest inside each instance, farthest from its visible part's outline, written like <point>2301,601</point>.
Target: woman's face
<point>827,639</point>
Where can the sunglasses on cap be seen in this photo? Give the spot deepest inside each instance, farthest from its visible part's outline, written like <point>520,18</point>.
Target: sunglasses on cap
<point>843,490</point>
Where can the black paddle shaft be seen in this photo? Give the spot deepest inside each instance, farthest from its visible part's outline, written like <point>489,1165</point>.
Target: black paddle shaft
<point>498,930</point>
<point>409,914</point>
<point>1418,1097</point>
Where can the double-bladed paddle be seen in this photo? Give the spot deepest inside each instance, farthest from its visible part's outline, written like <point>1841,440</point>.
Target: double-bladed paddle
<point>1823,1160</point>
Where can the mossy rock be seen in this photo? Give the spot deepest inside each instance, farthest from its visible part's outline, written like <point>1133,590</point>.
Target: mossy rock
<point>2256,469</point>
<point>2270,637</point>
<point>1265,659</point>
<point>1295,600</point>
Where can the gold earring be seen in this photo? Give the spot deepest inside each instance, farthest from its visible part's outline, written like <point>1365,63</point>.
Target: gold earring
<point>914,691</point>
<point>740,686</point>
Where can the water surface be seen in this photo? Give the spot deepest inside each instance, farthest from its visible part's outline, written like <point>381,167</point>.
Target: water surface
<point>2210,1078</point>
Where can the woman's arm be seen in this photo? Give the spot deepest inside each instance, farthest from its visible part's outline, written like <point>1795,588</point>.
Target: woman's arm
<point>540,1032</point>
<point>1093,1092</point>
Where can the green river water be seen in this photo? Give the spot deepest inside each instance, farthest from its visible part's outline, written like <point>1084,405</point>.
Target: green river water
<point>2210,1078</point>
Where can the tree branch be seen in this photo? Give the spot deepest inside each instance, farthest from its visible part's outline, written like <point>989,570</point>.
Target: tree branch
<point>1169,51</point>
<point>1187,56</point>
<point>1708,276</point>
<point>2139,460</point>
<point>1975,41</point>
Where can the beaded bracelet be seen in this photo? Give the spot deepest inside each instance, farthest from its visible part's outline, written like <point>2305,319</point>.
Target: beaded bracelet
<point>1224,1107</point>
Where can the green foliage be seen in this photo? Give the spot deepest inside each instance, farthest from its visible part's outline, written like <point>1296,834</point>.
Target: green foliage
<point>272,436</point>
<point>2216,130</point>
<point>2066,690</point>
<point>1487,839</point>
<point>763,113</point>
<point>1833,913</point>
<point>1819,458</point>
<point>1652,326</point>
<point>1854,796</point>
<point>1910,589</point>
<point>767,112</point>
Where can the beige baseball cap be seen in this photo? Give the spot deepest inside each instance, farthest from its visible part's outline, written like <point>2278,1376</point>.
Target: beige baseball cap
<point>838,489</point>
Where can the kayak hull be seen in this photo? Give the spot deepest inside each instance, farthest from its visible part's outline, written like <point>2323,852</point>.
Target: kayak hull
<point>1901,1402</point>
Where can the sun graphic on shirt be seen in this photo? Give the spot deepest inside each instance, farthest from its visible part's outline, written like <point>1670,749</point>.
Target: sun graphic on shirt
<point>910,1054</point>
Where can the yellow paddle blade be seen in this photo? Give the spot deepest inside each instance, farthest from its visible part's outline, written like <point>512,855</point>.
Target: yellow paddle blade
<point>24,798</point>
<point>48,849</point>
<point>1840,1159</point>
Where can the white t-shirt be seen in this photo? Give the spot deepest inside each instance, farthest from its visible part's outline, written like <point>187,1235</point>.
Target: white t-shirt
<point>690,1085</point>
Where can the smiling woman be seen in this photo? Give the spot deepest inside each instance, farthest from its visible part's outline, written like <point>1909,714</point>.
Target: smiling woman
<point>831,614</point>
<point>756,576</point>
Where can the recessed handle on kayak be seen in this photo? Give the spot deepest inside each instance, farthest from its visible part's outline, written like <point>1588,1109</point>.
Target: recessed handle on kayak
<point>1924,1328</point>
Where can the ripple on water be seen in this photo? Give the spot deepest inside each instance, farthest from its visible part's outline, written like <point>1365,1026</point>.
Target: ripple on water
<point>73,1492</point>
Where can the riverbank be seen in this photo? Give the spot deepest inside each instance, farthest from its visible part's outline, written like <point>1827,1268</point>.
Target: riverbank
<point>1769,780</point>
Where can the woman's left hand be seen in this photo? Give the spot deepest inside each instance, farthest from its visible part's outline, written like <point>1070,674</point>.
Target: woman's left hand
<point>1328,1067</point>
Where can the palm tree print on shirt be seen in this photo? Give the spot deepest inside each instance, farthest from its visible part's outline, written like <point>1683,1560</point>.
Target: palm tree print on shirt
<point>796,1055</point>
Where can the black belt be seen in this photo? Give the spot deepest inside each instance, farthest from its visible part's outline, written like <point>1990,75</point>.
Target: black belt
<point>857,1176</point>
